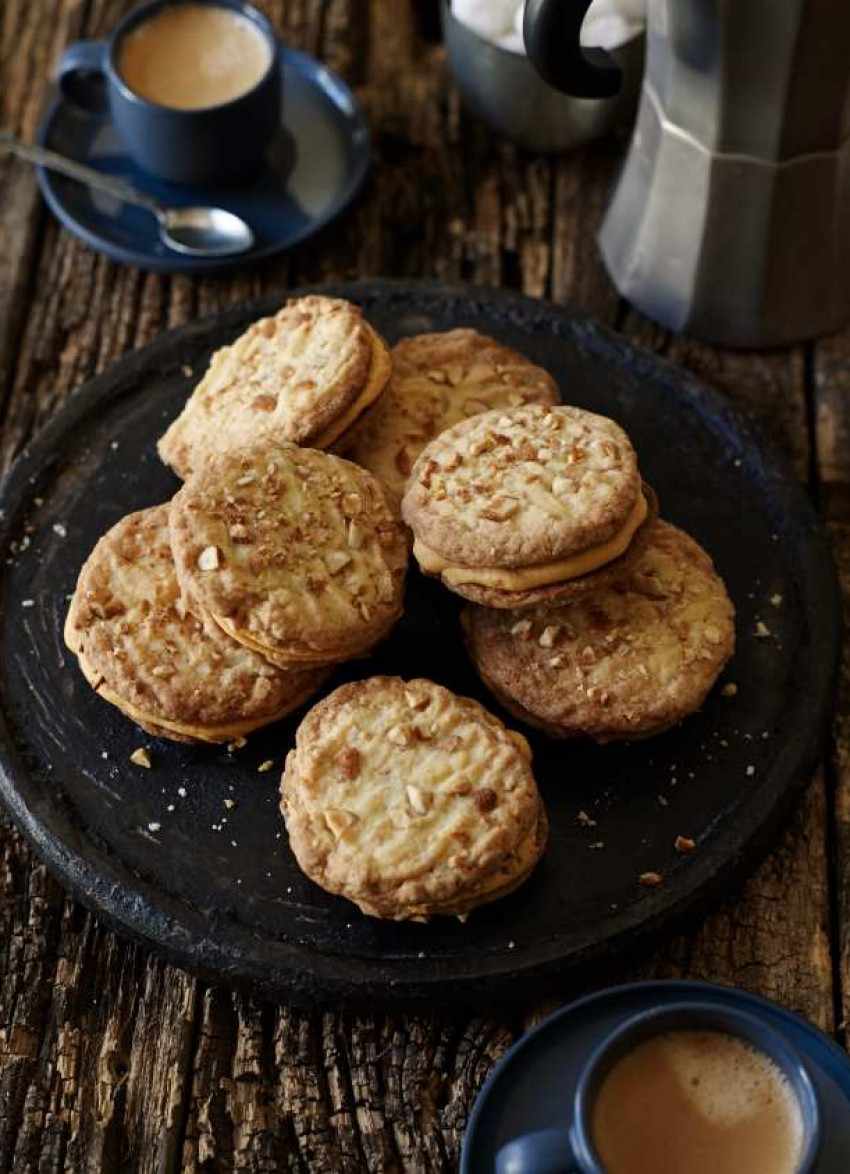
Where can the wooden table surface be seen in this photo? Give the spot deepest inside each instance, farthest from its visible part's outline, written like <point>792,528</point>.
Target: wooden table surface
<point>111,1060</point>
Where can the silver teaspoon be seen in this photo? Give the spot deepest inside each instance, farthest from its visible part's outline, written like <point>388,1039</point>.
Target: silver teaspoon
<point>197,232</point>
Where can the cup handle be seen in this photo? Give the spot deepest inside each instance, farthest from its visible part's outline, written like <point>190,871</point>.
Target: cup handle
<point>551,30</point>
<point>80,74</point>
<point>548,1151</point>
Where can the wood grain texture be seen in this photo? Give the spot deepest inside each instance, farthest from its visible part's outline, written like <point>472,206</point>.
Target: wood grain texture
<point>109,1059</point>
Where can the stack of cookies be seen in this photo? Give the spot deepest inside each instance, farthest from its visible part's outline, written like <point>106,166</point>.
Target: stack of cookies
<point>292,552</point>
<point>410,801</point>
<point>306,375</point>
<point>590,617</point>
<point>224,611</point>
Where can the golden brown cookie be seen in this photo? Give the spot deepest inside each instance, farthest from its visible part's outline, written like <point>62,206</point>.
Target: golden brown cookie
<point>306,375</point>
<point>437,381</point>
<point>534,503</point>
<point>141,649</point>
<point>410,801</point>
<point>294,552</point>
<point>627,662</point>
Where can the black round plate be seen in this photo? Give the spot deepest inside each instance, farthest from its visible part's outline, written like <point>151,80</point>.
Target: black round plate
<point>160,856</point>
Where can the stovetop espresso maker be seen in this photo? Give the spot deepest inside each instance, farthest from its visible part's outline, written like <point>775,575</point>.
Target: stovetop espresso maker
<point>730,220</point>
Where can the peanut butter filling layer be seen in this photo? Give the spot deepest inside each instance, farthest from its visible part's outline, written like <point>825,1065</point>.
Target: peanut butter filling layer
<point>378,375</point>
<point>226,732</point>
<point>544,574</point>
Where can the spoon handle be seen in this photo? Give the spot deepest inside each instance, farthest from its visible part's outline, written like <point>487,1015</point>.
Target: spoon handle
<point>88,175</point>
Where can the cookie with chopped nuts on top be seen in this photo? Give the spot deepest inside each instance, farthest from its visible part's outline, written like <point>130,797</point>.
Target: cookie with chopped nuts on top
<point>437,381</point>
<point>411,801</point>
<point>628,662</point>
<point>292,551</point>
<point>531,505</point>
<point>142,651</point>
<point>307,375</point>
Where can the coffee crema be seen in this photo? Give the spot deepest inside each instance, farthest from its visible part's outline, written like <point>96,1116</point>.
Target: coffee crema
<point>697,1101</point>
<point>193,56</point>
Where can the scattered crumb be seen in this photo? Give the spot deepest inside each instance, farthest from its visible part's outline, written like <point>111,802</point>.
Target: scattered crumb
<point>585,820</point>
<point>684,844</point>
<point>663,801</point>
<point>762,630</point>
<point>181,791</point>
<point>751,770</point>
<point>266,766</point>
<point>187,371</point>
<point>776,600</point>
<point>237,744</point>
<point>170,807</point>
<point>651,879</point>
<point>233,842</point>
<point>59,529</point>
<point>27,603</point>
<point>154,827</point>
<point>38,502</point>
<point>104,754</point>
<point>511,945</point>
<point>729,690</point>
<point>141,757</point>
<point>114,445</point>
<point>229,804</point>
<point>595,847</point>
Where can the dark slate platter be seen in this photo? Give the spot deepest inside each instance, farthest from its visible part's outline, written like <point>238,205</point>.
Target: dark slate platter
<point>217,890</point>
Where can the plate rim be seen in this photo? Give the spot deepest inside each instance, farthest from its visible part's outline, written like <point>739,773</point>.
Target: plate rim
<point>675,987</point>
<point>361,143</point>
<point>321,978</point>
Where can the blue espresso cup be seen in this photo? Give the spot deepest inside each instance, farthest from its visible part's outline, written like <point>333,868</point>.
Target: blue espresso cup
<point>208,145</point>
<point>569,1149</point>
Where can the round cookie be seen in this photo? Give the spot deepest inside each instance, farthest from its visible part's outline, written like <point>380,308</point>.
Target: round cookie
<point>437,381</point>
<point>141,649</point>
<point>410,801</point>
<point>628,662</point>
<point>294,552</point>
<point>306,375</point>
<point>529,505</point>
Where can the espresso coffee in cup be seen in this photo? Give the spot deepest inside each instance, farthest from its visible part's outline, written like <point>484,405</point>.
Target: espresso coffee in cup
<point>701,1101</point>
<point>194,87</point>
<point>685,1087</point>
<point>192,56</point>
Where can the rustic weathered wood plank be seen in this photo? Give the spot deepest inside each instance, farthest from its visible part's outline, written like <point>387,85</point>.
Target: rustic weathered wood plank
<point>839,779</point>
<point>111,1060</point>
<point>831,380</point>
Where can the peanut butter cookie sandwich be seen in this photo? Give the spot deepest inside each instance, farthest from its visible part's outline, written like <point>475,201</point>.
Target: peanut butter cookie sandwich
<point>142,651</point>
<point>410,801</point>
<point>527,506</point>
<point>437,381</point>
<point>292,551</point>
<point>628,662</point>
<point>306,375</point>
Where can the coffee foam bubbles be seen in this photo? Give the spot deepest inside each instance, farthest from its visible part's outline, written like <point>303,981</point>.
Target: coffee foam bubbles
<point>727,1080</point>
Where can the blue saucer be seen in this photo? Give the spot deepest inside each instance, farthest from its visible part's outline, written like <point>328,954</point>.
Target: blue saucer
<point>535,1080</point>
<point>313,170</point>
